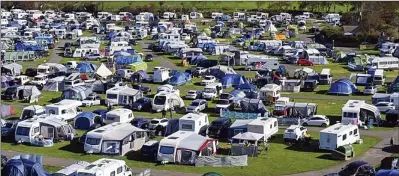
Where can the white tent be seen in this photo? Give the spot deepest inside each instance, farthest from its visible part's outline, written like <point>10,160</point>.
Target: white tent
<point>103,71</point>
<point>14,68</point>
<point>248,136</point>
<point>56,84</point>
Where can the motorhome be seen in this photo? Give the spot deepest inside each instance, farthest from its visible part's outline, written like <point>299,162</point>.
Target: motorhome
<point>115,139</point>
<point>45,69</point>
<point>106,166</point>
<point>64,110</point>
<point>239,16</point>
<point>338,135</point>
<point>325,77</point>
<point>379,78</point>
<point>270,93</point>
<point>122,95</point>
<point>357,112</point>
<point>194,122</point>
<point>32,111</point>
<point>181,146</point>
<point>261,63</point>
<point>161,75</point>
<point>216,14</point>
<point>166,100</point>
<point>268,127</point>
<point>385,63</point>
<point>168,15</point>
<point>210,91</point>
<point>121,115</point>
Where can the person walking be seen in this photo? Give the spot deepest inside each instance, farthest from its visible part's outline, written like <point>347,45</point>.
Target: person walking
<point>163,113</point>
<point>170,110</point>
<point>392,141</point>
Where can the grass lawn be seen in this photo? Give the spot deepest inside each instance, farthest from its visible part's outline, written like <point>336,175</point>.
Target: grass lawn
<point>275,159</point>
<point>52,169</point>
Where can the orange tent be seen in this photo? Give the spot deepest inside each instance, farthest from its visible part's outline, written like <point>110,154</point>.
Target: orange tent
<point>280,37</point>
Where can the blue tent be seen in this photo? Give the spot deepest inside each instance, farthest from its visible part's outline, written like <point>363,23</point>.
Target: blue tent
<point>126,60</point>
<point>28,47</point>
<point>23,167</point>
<point>101,112</point>
<point>85,120</point>
<point>124,53</point>
<point>252,106</point>
<point>110,35</point>
<point>5,81</point>
<point>17,25</point>
<point>197,59</point>
<point>139,76</point>
<point>342,87</point>
<point>86,67</point>
<point>246,87</point>
<point>179,79</point>
<point>232,80</point>
<point>385,172</point>
<point>394,87</point>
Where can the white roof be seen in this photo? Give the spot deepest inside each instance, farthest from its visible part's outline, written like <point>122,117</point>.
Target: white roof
<point>103,71</point>
<point>270,87</point>
<point>175,138</point>
<point>66,102</point>
<point>249,136</point>
<point>193,116</point>
<point>119,112</point>
<point>34,107</point>
<point>338,128</point>
<point>240,122</point>
<point>114,131</point>
<point>262,121</point>
<point>352,104</point>
<point>185,140</point>
<point>325,71</point>
<point>102,164</point>
<point>384,59</point>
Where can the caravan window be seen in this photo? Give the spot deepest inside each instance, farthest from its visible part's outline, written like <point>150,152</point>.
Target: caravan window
<point>160,100</point>
<point>166,150</point>
<point>350,114</point>
<point>112,96</point>
<point>23,131</point>
<point>52,111</point>
<point>355,132</point>
<point>119,170</point>
<point>275,124</point>
<point>36,130</point>
<point>112,173</point>
<point>344,137</point>
<point>271,126</point>
<point>187,126</point>
<point>92,141</point>
<point>350,133</point>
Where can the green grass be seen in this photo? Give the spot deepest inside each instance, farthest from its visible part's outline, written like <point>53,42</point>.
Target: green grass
<point>306,159</point>
<point>52,169</point>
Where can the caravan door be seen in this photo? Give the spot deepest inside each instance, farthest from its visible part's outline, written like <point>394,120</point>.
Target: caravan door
<point>139,140</point>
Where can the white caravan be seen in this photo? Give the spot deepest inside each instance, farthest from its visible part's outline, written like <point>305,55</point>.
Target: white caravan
<point>29,129</point>
<point>168,88</point>
<point>194,122</point>
<point>121,115</point>
<point>167,15</point>
<point>115,139</point>
<point>270,92</point>
<point>379,78</point>
<point>166,100</point>
<point>385,63</point>
<point>239,16</point>
<point>338,135</point>
<point>325,77</point>
<point>64,110</point>
<point>106,166</point>
<point>122,95</point>
<point>268,127</point>
<point>356,112</point>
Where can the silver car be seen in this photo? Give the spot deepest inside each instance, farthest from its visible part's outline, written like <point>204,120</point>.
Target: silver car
<point>197,105</point>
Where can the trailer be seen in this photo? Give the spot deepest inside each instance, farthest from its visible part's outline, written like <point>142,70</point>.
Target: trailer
<point>338,135</point>
<point>268,127</point>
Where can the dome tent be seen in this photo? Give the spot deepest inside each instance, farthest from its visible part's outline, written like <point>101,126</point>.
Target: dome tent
<point>342,87</point>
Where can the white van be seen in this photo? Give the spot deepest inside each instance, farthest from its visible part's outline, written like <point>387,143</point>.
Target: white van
<point>106,166</point>
<point>21,80</point>
<point>210,91</point>
<point>65,109</point>
<point>32,111</point>
<point>338,135</point>
<point>379,78</point>
<point>121,115</point>
<point>73,83</point>
<point>194,122</point>
<point>325,77</point>
<point>167,15</point>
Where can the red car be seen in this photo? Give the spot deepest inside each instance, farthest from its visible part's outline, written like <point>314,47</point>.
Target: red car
<point>305,62</point>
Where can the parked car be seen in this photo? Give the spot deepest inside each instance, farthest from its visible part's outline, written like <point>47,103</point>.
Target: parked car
<point>305,62</point>
<point>31,72</point>
<point>199,71</point>
<point>158,122</point>
<point>10,93</point>
<point>148,58</point>
<point>94,56</point>
<point>383,107</point>
<point>8,128</point>
<point>197,105</point>
<point>91,100</point>
<point>193,94</point>
<point>219,128</point>
<point>142,88</point>
<point>294,133</point>
<point>39,80</point>
<point>370,90</point>
<point>141,123</point>
<point>150,150</point>
<point>355,168</point>
<point>223,104</point>
<point>316,120</point>
<point>208,79</point>
<point>142,104</point>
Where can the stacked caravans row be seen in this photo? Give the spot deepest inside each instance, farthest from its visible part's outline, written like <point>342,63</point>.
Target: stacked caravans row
<point>115,139</point>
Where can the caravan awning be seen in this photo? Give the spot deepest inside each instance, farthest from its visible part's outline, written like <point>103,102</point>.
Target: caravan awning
<point>127,91</point>
<point>193,142</point>
<point>248,136</point>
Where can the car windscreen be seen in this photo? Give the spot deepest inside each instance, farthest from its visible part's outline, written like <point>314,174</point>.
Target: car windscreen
<point>194,104</point>
<point>223,102</point>
<point>224,96</point>
<point>160,100</point>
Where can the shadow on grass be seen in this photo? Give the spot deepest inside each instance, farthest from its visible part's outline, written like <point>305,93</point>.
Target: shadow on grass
<point>74,147</point>
<point>136,156</point>
<point>391,149</point>
<point>326,156</point>
<point>322,92</point>
<point>334,119</point>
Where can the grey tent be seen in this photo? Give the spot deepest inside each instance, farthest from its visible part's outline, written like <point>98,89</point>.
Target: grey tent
<point>76,93</point>
<point>99,86</point>
<point>302,109</point>
<point>28,93</point>
<point>12,69</point>
<point>55,84</point>
<point>253,106</point>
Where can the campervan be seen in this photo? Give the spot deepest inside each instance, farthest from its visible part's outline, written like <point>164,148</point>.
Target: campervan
<point>325,77</point>
<point>338,135</point>
<point>357,112</point>
<point>379,78</point>
<point>115,139</point>
<point>161,75</point>
<point>194,122</point>
<point>39,80</point>
<point>385,63</point>
<point>64,110</point>
<point>32,111</point>
<point>166,100</point>
<point>239,16</point>
<point>121,115</point>
<point>106,166</point>
<point>264,63</point>
<point>182,146</point>
<point>216,14</point>
<point>210,91</point>
<point>270,92</point>
<point>268,127</point>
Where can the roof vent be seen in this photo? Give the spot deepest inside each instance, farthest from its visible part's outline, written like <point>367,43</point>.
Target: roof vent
<point>351,105</point>
<point>355,101</point>
<point>337,128</point>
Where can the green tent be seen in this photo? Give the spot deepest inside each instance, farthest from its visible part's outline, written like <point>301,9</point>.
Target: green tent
<point>207,31</point>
